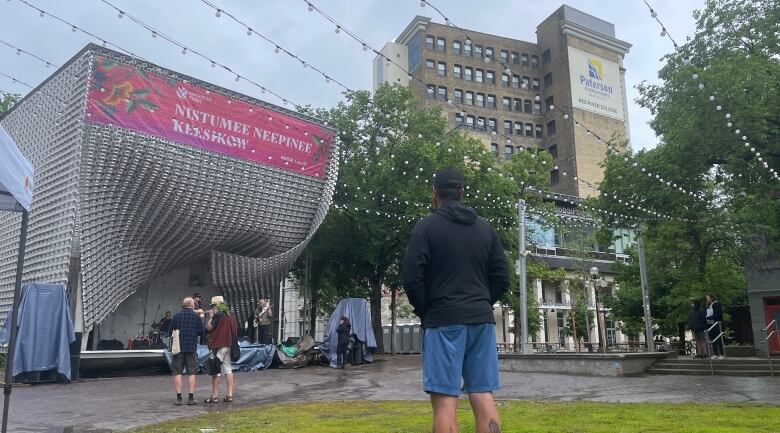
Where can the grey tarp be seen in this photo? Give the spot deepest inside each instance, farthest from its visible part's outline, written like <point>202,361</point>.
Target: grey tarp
<point>356,310</point>
<point>45,330</point>
<point>253,356</point>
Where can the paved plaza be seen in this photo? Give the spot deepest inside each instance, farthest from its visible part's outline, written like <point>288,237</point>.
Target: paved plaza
<point>107,405</point>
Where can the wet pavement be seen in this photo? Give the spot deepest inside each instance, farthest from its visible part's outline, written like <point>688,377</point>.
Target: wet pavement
<point>109,405</point>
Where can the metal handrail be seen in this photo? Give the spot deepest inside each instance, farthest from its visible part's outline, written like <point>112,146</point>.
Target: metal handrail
<point>768,347</point>
<point>709,344</point>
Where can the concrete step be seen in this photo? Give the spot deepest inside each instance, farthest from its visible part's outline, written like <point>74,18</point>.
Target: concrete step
<point>671,365</point>
<point>698,372</point>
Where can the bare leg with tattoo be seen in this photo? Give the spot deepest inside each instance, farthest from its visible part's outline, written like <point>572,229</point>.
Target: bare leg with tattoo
<point>444,408</point>
<point>485,412</point>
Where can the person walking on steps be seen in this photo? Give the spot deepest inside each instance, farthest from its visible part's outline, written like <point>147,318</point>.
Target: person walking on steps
<point>697,323</point>
<point>454,271</point>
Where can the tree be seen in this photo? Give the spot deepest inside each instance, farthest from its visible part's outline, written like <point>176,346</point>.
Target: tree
<point>717,113</point>
<point>390,147</point>
<point>7,101</point>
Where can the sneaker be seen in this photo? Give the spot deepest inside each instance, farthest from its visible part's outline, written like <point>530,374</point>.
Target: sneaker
<point>178,403</point>
<point>714,357</point>
<point>190,403</point>
<point>721,357</point>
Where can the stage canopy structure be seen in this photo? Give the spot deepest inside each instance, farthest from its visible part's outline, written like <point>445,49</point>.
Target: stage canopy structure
<point>141,170</point>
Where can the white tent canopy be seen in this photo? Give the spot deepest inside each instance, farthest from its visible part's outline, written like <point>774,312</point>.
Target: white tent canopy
<point>16,176</point>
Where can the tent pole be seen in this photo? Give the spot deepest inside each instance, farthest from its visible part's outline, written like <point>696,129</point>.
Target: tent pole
<point>9,359</point>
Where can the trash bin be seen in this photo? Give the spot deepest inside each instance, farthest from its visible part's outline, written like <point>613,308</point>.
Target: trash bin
<point>357,353</point>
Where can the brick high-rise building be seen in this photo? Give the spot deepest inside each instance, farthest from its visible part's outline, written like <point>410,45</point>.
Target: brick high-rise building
<point>507,86</point>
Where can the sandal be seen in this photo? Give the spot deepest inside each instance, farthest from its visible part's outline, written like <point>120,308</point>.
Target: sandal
<point>228,399</point>
<point>211,400</point>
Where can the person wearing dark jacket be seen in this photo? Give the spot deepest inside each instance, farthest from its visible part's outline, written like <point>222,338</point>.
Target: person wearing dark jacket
<point>454,271</point>
<point>715,315</point>
<point>343,331</point>
<point>698,324</point>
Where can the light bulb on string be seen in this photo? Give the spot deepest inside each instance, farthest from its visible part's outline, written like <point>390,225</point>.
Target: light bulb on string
<point>219,13</point>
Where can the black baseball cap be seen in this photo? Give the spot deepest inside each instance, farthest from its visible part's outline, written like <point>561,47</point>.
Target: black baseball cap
<point>448,178</point>
<point>196,295</point>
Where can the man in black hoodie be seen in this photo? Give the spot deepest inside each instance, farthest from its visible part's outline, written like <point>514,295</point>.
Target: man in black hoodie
<point>454,270</point>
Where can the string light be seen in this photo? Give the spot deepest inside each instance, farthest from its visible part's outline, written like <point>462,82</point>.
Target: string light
<point>363,42</point>
<point>276,46</point>
<point>20,51</point>
<point>701,85</point>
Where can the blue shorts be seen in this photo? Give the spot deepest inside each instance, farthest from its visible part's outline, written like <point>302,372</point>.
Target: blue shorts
<point>460,351</point>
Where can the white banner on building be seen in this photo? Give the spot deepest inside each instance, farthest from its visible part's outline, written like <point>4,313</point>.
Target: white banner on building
<point>595,84</point>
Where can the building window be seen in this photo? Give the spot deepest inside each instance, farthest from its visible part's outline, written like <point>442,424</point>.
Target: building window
<point>457,71</point>
<point>441,45</point>
<point>554,177</point>
<point>527,106</point>
<point>430,64</point>
<point>458,119</point>
<point>492,125</point>
<point>548,80</point>
<point>506,103</point>
<point>490,77</point>
<point>549,102</point>
<point>442,69</point>
<point>480,76</point>
<point>537,107</point>
<point>518,105</point>
<point>478,51</point>
<point>489,53</point>
<point>514,57</point>
<point>470,121</point>
<point>553,150</point>
<point>545,57</point>
<point>524,59</point>
<point>456,47</point>
<point>494,148</point>
<point>508,151</point>
<point>535,84</point>
<point>504,56</point>
<point>526,82</point>
<point>468,73</point>
<point>442,93</point>
<point>469,98</point>
<point>529,129</point>
<point>551,128</point>
<point>467,50</point>
<point>429,42</point>
<point>481,100</point>
<point>534,61</point>
<point>430,90</point>
<point>481,123</point>
<point>538,130</point>
<point>515,81</point>
<point>507,127</point>
<point>458,93</point>
<point>518,128</point>
<point>505,80</point>
<point>491,102</point>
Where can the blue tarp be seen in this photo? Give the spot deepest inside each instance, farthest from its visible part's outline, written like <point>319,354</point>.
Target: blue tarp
<point>45,330</point>
<point>253,356</point>
<point>356,310</point>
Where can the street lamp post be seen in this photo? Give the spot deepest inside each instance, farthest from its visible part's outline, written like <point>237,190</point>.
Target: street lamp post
<point>645,295</point>
<point>597,284</point>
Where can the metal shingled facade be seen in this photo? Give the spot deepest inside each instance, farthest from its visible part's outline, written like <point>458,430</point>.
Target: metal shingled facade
<point>133,206</point>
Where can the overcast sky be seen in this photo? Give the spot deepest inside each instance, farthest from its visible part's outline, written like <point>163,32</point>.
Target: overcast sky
<point>309,35</point>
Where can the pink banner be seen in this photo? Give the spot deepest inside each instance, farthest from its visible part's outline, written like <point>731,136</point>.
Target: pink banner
<point>136,99</point>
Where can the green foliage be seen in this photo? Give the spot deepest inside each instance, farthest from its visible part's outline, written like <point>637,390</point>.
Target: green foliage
<point>7,101</point>
<point>516,416</point>
<point>391,146</point>
<point>735,54</point>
